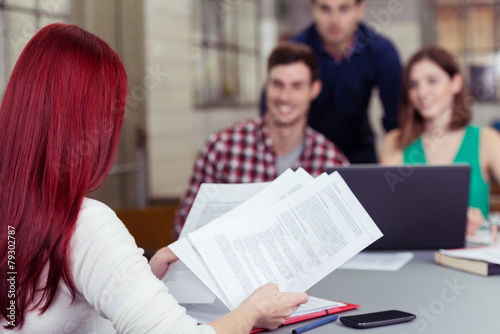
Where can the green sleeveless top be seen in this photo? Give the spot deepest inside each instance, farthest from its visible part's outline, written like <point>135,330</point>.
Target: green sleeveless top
<point>479,189</point>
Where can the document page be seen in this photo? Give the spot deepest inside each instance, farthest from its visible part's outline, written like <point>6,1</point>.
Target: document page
<point>244,199</point>
<point>378,261</point>
<point>212,201</point>
<point>293,243</point>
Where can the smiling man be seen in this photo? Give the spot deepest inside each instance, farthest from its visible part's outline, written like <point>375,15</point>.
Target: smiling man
<point>353,60</point>
<point>260,149</point>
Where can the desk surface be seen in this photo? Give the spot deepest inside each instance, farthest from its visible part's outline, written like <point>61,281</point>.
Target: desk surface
<point>445,300</point>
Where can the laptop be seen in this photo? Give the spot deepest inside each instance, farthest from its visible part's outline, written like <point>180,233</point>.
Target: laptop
<point>415,207</point>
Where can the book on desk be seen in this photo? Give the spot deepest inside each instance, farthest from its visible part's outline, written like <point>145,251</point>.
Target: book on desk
<point>482,261</point>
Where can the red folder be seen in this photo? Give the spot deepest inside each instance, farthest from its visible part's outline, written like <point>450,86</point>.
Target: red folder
<point>304,317</point>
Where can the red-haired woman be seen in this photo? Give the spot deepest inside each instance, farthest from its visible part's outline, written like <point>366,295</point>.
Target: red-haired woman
<point>71,265</point>
<point>435,129</point>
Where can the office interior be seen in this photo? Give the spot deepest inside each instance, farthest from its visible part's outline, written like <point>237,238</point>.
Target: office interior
<point>197,66</point>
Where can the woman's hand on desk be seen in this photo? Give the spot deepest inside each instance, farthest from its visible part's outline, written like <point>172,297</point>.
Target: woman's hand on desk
<point>475,220</point>
<point>160,260</point>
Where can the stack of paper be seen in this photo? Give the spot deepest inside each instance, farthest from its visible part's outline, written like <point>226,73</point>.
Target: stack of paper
<point>488,254</point>
<point>293,231</point>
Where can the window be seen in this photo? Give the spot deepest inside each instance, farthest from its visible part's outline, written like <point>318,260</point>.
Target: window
<point>19,21</point>
<point>471,30</point>
<point>225,52</point>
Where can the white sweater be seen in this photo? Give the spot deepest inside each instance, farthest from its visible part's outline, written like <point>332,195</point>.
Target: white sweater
<point>113,281</point>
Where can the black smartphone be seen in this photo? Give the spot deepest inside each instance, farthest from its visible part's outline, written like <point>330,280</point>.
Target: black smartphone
<point>377,319</point>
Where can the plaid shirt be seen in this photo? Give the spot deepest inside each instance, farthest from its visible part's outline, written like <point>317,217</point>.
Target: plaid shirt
<point>244,153</point>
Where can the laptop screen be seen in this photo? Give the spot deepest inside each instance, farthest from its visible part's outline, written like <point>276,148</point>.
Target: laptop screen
<point>415,206</point>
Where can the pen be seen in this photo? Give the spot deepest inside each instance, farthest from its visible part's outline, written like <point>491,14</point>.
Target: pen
<point>315,324</point>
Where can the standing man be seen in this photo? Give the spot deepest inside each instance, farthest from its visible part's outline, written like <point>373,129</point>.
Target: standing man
<point>353,59</point>
<point>260,149</point>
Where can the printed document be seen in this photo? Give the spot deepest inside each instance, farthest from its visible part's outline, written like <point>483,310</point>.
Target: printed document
<point>293,241</point>
<point>217,204</point>
<point>212,201</point>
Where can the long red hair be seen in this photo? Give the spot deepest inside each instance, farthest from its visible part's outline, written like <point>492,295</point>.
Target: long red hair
<point>60,123</point>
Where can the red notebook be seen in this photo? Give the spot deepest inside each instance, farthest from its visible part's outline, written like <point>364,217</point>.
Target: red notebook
<point>317,314</point>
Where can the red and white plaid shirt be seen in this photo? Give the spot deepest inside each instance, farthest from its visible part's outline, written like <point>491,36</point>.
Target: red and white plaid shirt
<point>244,153</point>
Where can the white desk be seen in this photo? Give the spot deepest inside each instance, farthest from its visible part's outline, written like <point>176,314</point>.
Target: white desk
<point>445,300</point>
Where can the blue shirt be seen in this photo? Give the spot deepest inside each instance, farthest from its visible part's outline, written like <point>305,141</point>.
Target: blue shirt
<point>340,110</point>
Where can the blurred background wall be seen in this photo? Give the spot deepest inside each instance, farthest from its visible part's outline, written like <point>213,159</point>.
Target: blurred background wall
<point>197,66</point>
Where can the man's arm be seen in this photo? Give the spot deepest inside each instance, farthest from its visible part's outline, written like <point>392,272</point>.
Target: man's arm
<point>389,76</point>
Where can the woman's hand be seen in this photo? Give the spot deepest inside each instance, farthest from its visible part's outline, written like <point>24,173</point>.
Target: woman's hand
<point>267,308</point>
<point>475,220</point>
<point>271,306</point>
<point>160,261</point>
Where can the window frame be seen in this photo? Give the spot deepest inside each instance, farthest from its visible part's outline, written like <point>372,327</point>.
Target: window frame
<point>489,81</point>
<point>37,12</point>
<point>226,52</point>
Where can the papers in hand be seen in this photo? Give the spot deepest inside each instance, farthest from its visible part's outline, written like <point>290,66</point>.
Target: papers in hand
<point>293,232</point>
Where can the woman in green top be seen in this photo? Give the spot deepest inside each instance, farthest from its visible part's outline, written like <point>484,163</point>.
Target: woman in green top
<point>434,128</point>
